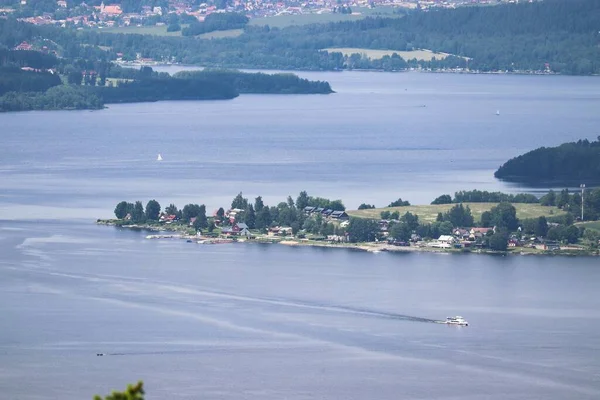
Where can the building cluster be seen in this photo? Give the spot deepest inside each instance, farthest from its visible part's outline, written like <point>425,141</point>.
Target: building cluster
<point>111,15</point>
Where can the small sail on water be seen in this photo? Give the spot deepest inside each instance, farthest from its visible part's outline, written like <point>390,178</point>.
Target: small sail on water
<point>159,158</point>
<point>497,112</point>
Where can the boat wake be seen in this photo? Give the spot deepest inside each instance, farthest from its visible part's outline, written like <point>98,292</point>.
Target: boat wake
<point>348,310</point>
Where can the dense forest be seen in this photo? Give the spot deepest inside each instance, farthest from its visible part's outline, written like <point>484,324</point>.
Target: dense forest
<point>570,164</point>
<point>23,90</point>
<point>14,79</point>
<point>523,37</point>
<point>154,89</point>
<point>244,82</point>
<point>61,97</point>
<point>216,22</point>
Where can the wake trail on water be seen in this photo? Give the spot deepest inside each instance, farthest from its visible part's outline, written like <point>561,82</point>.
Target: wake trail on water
<point>341,309</point>
<point>276,301</point>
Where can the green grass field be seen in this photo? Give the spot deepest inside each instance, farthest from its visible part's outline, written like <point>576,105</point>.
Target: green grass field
<point>143,30</point>
<point>428,213</point>
<point>282,21</point>
<point>425,55</point>
<point>230,33</point>
<point>116,81</point>
<point>591,225</point>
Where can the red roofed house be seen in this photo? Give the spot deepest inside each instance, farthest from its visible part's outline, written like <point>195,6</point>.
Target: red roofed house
<point>476,233</point>
<point>113,9</point>
<point>24,46</point>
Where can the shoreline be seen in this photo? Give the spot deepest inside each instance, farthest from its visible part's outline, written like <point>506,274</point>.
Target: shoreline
<point>178,233</point>
<point>134,64</point>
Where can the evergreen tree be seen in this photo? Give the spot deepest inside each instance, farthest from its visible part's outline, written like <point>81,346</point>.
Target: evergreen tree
<point>258,204</point>
<point>548,199</point>
<point>171,209</point>
<point>411,220</point>
<point>486,219</point>
<point>264,218</point>
<point>152,210</point>
<point>504,216</point>
<point>443,199</point>
<point>401,231</point>
<point>302,200</point>
<point>541,227</point>
<point>250,218</point>
<point>498,242</point>
<point>190,211</point>
<point>239,202</point>
<point>201,217</point>
<point>363,230</point>
<point>290,202</point>
<point>121,210</point>
<point>138,215</point>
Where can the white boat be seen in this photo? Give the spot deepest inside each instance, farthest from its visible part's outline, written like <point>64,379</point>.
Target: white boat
<point>159,158</point>
<point>497,112</point>
<point>458,320</point>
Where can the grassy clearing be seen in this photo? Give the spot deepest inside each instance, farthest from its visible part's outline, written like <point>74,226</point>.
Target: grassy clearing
<point>591,225</point>
<point>116,81</point>
<point>424,55</point>
<point>282,21</point>
<point>143,30</point>
<point>230,33</point>
<point>428,213</point>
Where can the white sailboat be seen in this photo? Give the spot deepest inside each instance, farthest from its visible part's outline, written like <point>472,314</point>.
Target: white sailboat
<point>497,112</point>
<point>159,158</point>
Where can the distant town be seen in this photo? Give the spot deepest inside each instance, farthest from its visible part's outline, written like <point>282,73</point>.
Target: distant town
<point>109,15</point>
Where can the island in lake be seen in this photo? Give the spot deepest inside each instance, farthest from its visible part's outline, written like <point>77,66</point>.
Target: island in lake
<point>472,221</point>
<point>571,164</point>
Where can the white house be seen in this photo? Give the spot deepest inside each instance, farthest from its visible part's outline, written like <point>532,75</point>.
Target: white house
<point>443,242</point>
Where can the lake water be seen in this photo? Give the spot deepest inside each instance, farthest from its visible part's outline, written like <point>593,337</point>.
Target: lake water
<point>249,321</point>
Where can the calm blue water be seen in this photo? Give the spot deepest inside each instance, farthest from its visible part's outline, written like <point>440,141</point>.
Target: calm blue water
<point>371,142</point>
<point>251,321</point>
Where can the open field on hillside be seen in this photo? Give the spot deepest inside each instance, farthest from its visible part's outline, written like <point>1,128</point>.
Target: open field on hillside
<point>425,55</point>
<point>144,30</point>
<point>221,34</point>
<point>592,225</point>
<point>428,213</point>
<point>282,21</point>
<point>116,81</point>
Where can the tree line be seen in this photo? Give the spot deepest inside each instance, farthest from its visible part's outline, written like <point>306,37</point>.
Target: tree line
<point>216,22</point>
<point>479,196</point>
<point>257,215</point>
<point>26,90</point>
<point>571,202</point>
<point>262,83</point>
<point>13,79</point>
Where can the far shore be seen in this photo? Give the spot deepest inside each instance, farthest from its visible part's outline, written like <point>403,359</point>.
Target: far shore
<point>137,64</point>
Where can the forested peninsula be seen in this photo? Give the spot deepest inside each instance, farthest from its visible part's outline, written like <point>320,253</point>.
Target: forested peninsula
<point>569,164</point>
<point>30,80</point>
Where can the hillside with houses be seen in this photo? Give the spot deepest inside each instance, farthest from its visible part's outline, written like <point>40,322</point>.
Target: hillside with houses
<point>117,13</point>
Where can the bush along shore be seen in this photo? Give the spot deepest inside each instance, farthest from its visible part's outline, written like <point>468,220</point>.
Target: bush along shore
<point>548,225</point>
